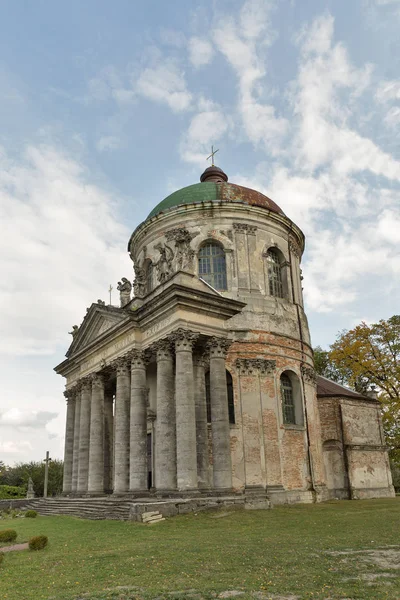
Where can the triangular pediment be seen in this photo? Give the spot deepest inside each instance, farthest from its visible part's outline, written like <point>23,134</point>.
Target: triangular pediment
<point>97,322</point>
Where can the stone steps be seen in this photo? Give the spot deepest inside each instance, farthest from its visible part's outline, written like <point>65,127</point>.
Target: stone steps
<point>85,508</point>
<point>124,509</point>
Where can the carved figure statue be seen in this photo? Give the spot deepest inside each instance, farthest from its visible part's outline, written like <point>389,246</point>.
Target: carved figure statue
<point>101,302</point>
<point>31,492</point>
<point>184,253</point>
<point>74,331</point>
<point>139,284</point>
<point>164,263</point>
<point>124,287</point>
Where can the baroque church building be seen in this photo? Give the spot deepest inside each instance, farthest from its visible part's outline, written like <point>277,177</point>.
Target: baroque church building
<point>202,384</point>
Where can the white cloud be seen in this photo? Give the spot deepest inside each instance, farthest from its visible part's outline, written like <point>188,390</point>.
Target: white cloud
<point>110,84</point>
<point>326,88</point>
<point>242,42</point>
<point>9,447</point>
<point>387,91</point>
<point>108,142</point>
<point>61,246</point>
<point>165,83</point>
<point>200,52</point>
<point>20,419</point>
<point>392,118</point>
<point>205,128</point>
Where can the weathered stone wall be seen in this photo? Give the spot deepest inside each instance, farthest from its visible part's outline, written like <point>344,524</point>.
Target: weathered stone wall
<point>368,466</point>
<point>355,455</point>
<point>266,452</point>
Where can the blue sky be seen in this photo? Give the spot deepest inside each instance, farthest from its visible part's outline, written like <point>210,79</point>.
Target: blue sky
<point>106,108</point>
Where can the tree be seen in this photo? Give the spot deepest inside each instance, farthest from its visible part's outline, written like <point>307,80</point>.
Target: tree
<point>19,474</point>
<point>325,367</point>
<point>368,357</point>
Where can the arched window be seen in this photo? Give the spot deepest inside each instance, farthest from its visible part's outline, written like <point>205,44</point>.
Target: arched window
<point>149,277</point>
<point>231,401</point>
<point>274,273</point>
<point>291,395</point>
<point>289,416</point>
<point>212,265</point>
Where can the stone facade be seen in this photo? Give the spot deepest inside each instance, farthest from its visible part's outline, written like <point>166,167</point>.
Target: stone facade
<point>204,380</point>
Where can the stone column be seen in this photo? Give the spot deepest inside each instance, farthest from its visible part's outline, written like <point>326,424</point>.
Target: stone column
<point>96,449</point>
<point>122,410</point>
<point>165,438</point>
<point>222,464</point>
<point>75,459</point>
<point>69,441</point>
<point>199,380</point>
<point>84,435</point>
<point>138,424</point>
<point>108,440</point>
<point>186,456</point>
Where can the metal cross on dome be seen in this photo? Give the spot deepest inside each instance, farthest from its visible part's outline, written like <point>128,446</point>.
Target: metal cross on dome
<point>213,152</point>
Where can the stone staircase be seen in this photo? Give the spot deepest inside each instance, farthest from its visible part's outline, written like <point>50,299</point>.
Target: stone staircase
<point>135,508</point>
<point>85,508</point>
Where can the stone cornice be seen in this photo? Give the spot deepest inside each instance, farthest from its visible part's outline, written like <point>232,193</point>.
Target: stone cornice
<point>232,210</point>
<point>253,366</point>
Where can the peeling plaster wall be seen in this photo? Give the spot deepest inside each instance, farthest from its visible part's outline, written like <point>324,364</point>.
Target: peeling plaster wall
<point>355,455</point>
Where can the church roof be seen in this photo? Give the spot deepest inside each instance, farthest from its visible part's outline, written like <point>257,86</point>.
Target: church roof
<point>326,388</point>
<point>214,187</point>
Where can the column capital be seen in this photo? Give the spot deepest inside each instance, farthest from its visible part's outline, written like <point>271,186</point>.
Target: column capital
<point>138,359</point>
<point>253,366</point>
<point>121,365</point>
<point>309,374</point>
<point>163,349</point>
<point>71,393</point>
<point>85,383</point>
<point>218,347</point>
<point>183,339</point>
<point>97,380</point>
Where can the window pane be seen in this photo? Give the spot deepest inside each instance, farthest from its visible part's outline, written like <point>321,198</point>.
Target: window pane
<point>212,266</point>
<point>274,274</point>
<point>287,400</point>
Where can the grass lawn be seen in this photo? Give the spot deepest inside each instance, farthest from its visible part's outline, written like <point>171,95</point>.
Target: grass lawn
<point>336,550</point>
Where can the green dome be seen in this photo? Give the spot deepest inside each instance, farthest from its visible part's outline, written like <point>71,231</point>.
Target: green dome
<point>209,191</point>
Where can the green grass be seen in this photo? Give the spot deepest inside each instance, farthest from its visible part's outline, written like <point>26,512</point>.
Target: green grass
<point>288,550</point>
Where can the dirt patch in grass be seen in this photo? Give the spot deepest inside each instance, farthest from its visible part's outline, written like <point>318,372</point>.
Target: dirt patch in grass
<point>15,547</point>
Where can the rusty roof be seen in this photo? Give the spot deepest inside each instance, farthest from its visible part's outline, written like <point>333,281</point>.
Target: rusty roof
<point>327,388</point>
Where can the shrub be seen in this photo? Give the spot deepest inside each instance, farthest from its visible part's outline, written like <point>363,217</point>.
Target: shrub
<point>38,542</point>
<point>11,491</point>
<point>31,514</point>
<point>8,535</point>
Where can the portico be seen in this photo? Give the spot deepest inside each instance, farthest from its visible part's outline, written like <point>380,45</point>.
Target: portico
<point>181,457</point>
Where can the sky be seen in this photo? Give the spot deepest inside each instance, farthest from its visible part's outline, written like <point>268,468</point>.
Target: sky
<point>108,107</point>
